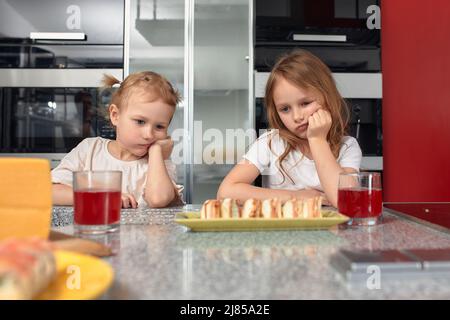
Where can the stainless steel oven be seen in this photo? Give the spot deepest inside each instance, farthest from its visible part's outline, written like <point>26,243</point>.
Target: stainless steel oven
<point>61,34</point>
<point>53,55</point>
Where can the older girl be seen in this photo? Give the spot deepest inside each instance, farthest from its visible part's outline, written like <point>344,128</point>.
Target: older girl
<point>308,149</point>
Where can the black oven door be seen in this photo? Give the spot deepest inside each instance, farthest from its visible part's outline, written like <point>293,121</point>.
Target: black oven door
<point>365,124</point>
<point>51,120</point>
<point>345,34</point>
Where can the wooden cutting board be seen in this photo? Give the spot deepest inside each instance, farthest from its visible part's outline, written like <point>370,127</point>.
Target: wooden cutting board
<point>67,242</point>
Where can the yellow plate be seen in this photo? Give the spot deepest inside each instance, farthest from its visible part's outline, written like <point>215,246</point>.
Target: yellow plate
<point>80,277</point>
<point>192,220</point>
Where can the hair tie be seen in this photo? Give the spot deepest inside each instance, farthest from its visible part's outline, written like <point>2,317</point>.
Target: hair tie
<point>117,85</point>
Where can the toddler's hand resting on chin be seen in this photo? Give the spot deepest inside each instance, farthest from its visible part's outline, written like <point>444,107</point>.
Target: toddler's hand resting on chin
<point>166,146</point>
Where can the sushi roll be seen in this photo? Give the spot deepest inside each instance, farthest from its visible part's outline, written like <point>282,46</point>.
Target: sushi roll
<point>27,266</point>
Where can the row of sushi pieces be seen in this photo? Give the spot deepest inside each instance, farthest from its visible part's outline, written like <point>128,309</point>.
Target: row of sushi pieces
<point>268,208</point>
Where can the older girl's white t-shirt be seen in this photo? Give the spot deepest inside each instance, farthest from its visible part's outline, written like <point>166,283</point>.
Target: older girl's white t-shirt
<point>92,154</point>
<point>301,169</point>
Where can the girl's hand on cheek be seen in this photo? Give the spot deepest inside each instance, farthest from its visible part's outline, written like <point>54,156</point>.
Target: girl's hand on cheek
<point>166,146</point>
<point>128,201</point>
<point>319,123</point>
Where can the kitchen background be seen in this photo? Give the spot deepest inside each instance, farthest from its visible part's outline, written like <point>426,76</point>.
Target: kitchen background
<point>217,53</point>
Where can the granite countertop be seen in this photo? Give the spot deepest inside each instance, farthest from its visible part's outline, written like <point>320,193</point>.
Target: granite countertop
<point>159,259</point>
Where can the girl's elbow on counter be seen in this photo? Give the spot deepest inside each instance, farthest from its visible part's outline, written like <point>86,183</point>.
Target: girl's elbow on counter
<point>224,191</point>
<point>159,200</point>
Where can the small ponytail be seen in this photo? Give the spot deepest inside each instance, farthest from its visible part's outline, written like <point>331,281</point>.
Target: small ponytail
<point>109,81</point>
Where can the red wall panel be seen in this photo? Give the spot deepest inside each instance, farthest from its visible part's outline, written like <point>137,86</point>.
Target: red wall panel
<point>416,100</point>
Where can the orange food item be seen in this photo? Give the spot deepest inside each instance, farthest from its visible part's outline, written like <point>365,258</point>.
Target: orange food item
<point>25,198</point>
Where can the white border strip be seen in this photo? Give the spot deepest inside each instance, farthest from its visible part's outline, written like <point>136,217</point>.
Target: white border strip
<point>319,37</point>
<point>55,78</point>
<point>350,85</point>
<point>58,36</point>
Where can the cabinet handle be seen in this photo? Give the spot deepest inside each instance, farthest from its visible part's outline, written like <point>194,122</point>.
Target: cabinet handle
<point>57,35</point>
<point>319,37</point>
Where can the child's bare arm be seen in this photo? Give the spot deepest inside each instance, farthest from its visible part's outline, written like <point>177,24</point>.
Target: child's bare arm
<point>327,167</point>
<point>237,185</point>
<point>62,195</point>
<point>159,190</point>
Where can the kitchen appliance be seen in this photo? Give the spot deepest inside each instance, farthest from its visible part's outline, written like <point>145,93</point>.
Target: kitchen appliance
<point>344,34</point>
<point>53,55</point>
<point>66,34</point>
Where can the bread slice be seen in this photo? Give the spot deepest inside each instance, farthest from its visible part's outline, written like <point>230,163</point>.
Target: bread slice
<point>210,209</point>
<point>271,208</point>
<point>312,207</point>
<point>230,209</point>
<point>293,209</point>
<point>252,208</point>
<point>318,207</point>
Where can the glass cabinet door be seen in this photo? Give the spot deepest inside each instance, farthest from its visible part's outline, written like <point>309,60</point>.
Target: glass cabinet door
<point>204,48</point>
<point>156,43</point>
<point>222,109</point>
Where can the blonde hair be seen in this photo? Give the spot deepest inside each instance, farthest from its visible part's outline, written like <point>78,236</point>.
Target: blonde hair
<point>150,82</point>
<point>306,71</point>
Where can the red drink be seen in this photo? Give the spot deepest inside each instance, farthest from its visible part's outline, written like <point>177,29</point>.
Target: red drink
<point>97,207</point>
<point>360,203</point>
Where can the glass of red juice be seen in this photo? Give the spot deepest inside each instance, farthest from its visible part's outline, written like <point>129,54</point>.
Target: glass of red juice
<point>97,201</point>
<point>360,197</point>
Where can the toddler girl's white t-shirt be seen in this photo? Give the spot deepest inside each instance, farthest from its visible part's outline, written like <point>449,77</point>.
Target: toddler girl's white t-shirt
<point>92,154</point>
<point>301,169</point>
